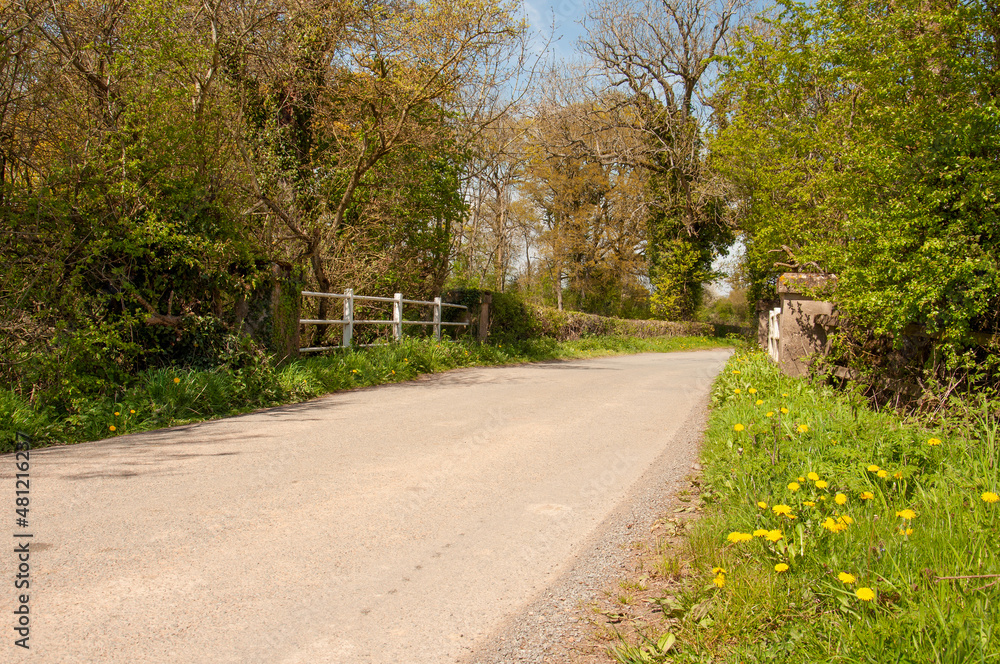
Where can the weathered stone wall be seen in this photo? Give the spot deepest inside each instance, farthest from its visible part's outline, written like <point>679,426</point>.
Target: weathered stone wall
<point>805,322</point>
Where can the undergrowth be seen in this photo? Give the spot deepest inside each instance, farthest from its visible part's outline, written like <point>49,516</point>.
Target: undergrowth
<point>837,534</point>
<point>166,397</point>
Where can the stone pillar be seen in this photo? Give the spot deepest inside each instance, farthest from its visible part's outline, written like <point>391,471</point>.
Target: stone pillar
<point>806,322</point>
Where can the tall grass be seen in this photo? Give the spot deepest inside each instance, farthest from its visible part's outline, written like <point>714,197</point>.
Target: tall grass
<point>838,534</point>
<point>167,397</point>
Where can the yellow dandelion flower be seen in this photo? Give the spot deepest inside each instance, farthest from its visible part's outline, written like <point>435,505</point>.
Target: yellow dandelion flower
<point>759,402</point>
<point>867,495</point>
<point>834,526</point>
<point>907,514</point>
<point>112,428</point>
<point>117,413</point>
<point>752,390</point>
<point>177,380</point>
<point>131,412</point>
<point>737,537</point>
<point>800,479</point>
<point>781,567</point>
<point>736,391</point>
<point>784,394</point>
<point>898,475</point>
<point>822,497</point>
<point>822,484</point>
<point>906,531</point>
<point>393,372</point>
<point>769,413</point>
<point>793,487</point>
<point>774,535</point>
<point>883,474</point>
<point>781,509</point>
<point>736,372</point>
<point>762,505</point>
<point>989,497</point>
<point>934,442</point>
<point>718,570</point>
<point>738,427</point>
<point>873,468</point>
<point>840,499</point>
<point>865,594</point>
<point>846,578</point>
<point>719,581</point>
<point>813,476</point>
<point>808,503</point>
<point>803,428</point>
<point>784,410</point>
<point>354,371</point>
<point>760,532</point>
<point>846,520</point>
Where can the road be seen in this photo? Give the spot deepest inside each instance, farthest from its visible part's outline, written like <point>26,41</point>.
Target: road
<point>399,524</point>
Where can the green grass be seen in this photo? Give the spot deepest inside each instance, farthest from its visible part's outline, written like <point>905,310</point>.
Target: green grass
<point>807,613</point>
<point>168,397</point>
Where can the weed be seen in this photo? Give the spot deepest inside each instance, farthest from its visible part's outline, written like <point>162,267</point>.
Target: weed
<point>836,533</point>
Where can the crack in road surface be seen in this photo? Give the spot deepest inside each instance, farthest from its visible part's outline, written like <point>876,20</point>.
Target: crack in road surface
<point>405,523</point>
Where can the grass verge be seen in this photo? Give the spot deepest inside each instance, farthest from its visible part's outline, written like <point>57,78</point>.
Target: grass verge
<point>168,397</point>
<point>834,533</point>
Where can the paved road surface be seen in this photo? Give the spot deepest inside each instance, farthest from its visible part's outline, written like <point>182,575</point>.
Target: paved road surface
<point>393,524</point>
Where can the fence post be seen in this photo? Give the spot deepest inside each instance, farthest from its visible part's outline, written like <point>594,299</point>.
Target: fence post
<point>348,317</point>
<point>397,316</point>
<point>484,316</point>
<point>437,319</point>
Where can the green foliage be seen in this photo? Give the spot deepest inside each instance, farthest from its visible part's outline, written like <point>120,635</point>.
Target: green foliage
<point>568,325</point>
<point>514,320</point>
<point>881,466</point>
<point>865,140</point>
<point>678,277</point>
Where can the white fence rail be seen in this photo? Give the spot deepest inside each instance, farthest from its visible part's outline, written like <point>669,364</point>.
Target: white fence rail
<point>774,334</point>
<point>349,321</point>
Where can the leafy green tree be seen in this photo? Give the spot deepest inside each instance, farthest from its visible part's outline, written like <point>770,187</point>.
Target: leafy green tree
<point>865,141</point>
<point>657,58</point>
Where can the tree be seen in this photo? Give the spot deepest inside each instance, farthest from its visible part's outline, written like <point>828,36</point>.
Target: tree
<point>864,140</point>
<point>329,103</point>
<point>656,59</point>
<point>592,213</point>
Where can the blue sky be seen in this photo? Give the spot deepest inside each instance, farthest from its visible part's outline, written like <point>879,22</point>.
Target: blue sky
<point>566,14</point>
